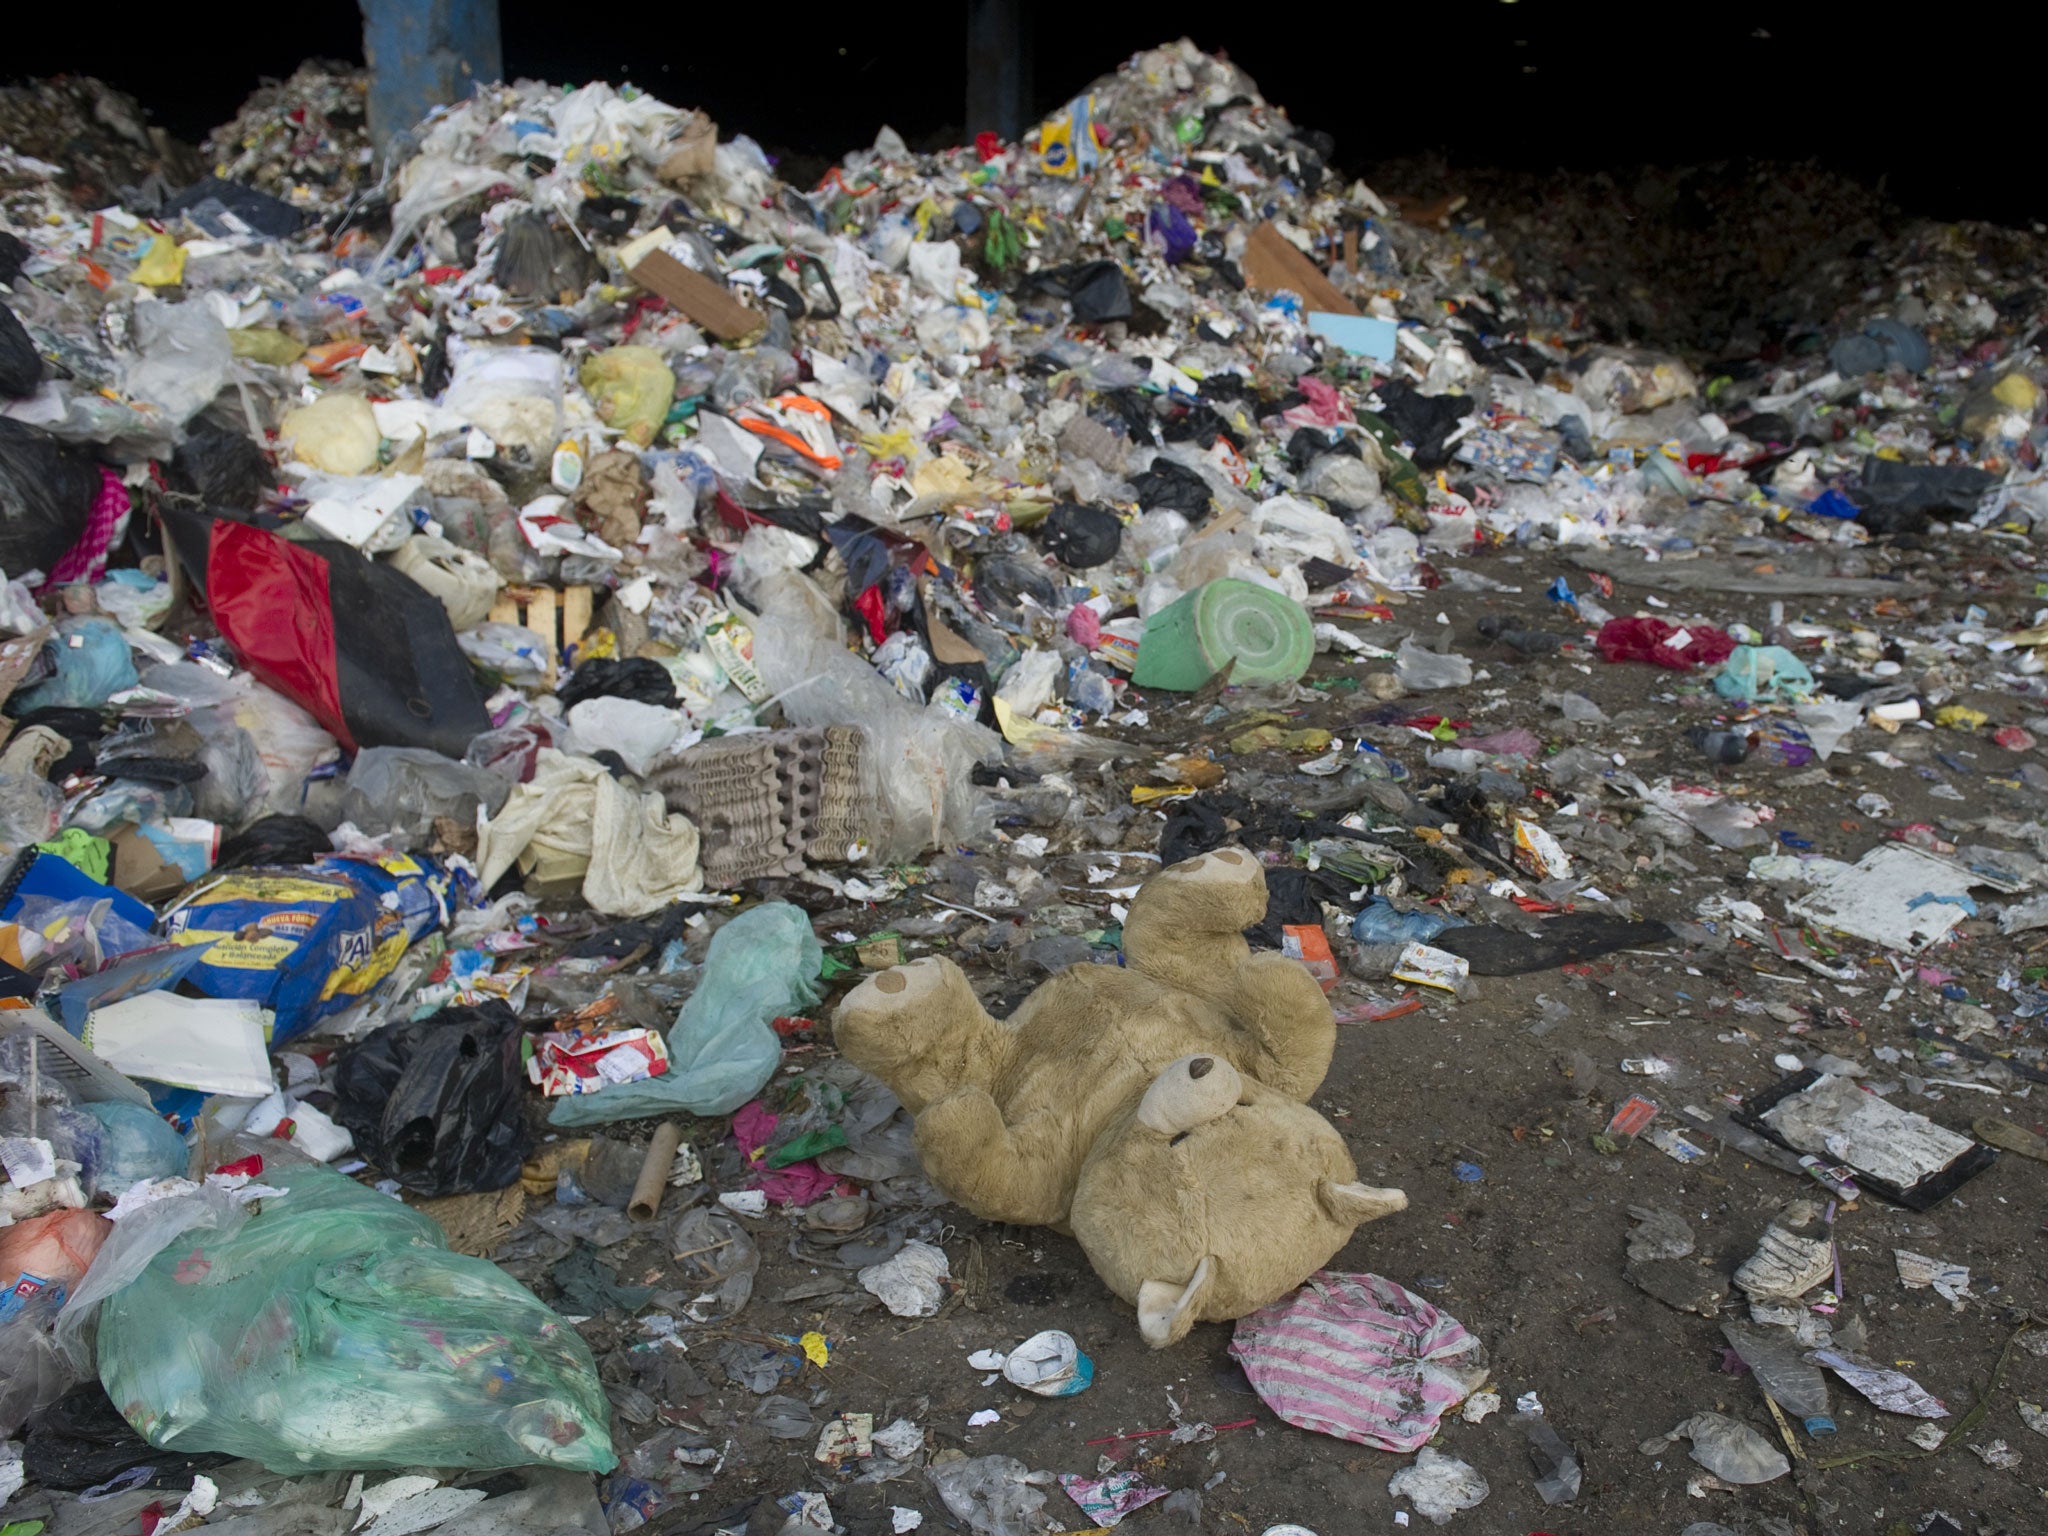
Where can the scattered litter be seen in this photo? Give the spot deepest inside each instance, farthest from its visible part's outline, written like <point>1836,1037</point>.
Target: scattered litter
<point>1438,1485</point>
<point>1726,1447</point>
<point>913,1283</point>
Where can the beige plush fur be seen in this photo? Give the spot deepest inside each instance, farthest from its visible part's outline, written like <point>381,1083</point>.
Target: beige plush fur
<point>1155,1109</point>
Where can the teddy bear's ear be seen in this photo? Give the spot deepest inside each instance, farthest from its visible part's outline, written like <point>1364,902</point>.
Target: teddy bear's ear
<point>1356,1204</point>
<point>1190,1092</point>
<point>1166,1311</point>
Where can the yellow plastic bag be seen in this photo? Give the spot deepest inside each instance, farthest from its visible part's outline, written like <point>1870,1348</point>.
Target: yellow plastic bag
<point>162,265</point>
<point>632,389</point>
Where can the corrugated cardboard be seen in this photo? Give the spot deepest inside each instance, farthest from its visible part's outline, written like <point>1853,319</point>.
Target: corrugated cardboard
<point>703,300</point>
<point>1271,262</point>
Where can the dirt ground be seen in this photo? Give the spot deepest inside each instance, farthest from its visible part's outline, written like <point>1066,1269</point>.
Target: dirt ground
<point>1531,1256</point>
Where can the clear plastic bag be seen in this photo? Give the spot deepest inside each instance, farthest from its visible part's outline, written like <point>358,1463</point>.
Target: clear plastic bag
<point>1422,669</point>
<point>927,791</point>
<point>761,965</point>
<point>403,789</point>
<point>333,1328</point>
<point>185,359</point>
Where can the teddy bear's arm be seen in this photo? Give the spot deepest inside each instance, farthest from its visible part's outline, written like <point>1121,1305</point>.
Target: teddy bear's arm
<point>1280,1006</point>
<point>1020,1174</point>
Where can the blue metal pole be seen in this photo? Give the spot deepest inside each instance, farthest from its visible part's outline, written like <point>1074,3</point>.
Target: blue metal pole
<point>423,54</point>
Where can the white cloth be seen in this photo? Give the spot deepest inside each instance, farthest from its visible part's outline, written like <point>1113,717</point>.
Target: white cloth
<point>641,855</point>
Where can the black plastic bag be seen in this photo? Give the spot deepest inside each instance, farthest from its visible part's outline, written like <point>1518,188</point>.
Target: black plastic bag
<point>631,677</point>
<point>1900,498</point>
<point>224,469</point>
<point>21,366</point>
<point>81,1441</point>
<point>436,1103</point>
<point>1096,290</point>
<point>360,645</point>
<point>274,842</point>
<point>1565,940</point>
<point>1174,486</point>
<point>219,207</point>
<point>1081,537</point>
<point>46,493</point>
<point>1424,420</point>
<point>1311,443</point>
<point>1193,827</point>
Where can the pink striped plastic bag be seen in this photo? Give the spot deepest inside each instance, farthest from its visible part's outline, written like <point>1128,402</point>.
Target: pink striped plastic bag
<point>1359,1357</point>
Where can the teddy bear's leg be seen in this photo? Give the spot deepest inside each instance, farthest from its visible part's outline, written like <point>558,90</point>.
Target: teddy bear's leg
<point>920,1029</point>
<point>1186,924</point>
<point>1022,1174</point>
<point>1282,1008</point>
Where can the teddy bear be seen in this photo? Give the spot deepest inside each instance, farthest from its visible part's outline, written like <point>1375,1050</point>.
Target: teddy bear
<point>1154,1110</point>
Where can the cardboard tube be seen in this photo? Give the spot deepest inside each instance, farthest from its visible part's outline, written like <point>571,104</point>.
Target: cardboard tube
<point>653,1181</point>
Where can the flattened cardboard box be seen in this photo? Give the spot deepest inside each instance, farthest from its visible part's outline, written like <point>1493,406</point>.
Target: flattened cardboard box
<point>1271,262</point>
<point>703,300</point>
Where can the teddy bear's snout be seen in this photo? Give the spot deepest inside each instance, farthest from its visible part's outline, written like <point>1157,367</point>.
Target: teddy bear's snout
<point>1190,1092</point>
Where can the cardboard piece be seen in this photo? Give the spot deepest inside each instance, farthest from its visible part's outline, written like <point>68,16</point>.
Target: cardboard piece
<point>1271,262</point>
<point>140,870</point>
<point>702,299</point>
<point>1895,895</point>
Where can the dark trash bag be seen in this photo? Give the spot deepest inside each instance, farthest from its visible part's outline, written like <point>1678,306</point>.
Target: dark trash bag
<point>219,206</point>
<point>538,261</point>
<point>1901,498</point>
<point>436,1103</point>
<point>21,366</point>
<point>632,677</point>
<point>81,1441</point>
<point>1566,940</point>
<point>1173,486</point>
<point>46,493</point>
<point>1096,290</point>
<point>282,842</point>
<point>1082,538</point>
<point>224,469</point>
<point>358,644</point>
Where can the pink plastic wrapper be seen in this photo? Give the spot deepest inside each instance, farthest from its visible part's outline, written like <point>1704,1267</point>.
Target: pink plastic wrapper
<point>753,1127</point>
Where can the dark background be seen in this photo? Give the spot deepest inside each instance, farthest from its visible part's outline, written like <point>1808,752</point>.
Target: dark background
<point>1528,86</point>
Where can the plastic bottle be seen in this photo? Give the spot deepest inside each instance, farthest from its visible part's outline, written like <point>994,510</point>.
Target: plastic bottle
<point>1776,1359</point>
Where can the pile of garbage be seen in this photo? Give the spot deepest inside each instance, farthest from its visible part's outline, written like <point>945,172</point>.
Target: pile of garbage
<point>493,648</point>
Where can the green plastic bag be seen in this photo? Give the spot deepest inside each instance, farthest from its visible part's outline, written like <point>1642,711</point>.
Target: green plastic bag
<point>722,1049</point>
<point>334,1329</point>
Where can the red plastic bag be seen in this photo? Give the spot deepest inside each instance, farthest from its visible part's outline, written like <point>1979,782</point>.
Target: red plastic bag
<point>1664,645</point>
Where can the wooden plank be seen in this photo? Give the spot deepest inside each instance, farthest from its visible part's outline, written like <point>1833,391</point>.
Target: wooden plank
<point>541,618</point>
<point>575,615</point>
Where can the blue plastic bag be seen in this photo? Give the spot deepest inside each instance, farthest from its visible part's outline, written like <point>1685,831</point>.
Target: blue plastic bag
<point>93,663</point>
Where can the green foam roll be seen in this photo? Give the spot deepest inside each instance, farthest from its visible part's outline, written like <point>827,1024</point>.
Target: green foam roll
<point>1192,639</point>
